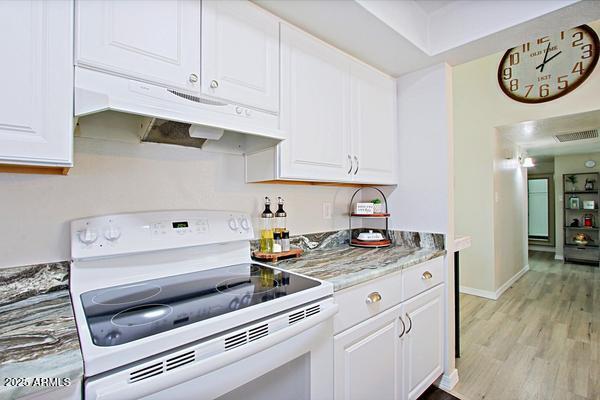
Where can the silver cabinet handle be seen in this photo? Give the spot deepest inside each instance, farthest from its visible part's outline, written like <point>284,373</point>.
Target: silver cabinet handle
<point>350,159</point>
<point>374,297</point>
<point>403,327</point>
<point>426,275</point>
<point>214,84</point>
<point>356,159</point>
<point>193,78</point>
<point>409,320</point>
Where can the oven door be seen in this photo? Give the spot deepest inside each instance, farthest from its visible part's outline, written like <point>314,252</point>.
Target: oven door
<point>292,361</point>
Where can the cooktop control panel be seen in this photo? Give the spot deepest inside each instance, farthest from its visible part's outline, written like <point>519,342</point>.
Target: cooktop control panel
<point>156,230</point>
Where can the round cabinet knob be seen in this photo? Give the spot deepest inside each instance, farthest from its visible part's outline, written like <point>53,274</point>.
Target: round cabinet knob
<point>427,275</point>
<point>238,110</point>
<point>193,78</point>
<point>244,223</point>
<point>112,233</point>
<point>374,297</point>
<point>233,225</point>
<point>88,236</point>
<point>214,84</point>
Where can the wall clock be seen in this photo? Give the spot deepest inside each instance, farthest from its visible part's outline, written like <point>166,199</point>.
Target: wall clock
<point>549,67</point>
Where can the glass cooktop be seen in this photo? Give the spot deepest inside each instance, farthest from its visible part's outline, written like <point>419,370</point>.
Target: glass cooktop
<point>125,313</point>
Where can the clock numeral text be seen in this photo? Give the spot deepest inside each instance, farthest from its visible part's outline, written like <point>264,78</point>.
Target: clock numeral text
<point>507,73</point>
<point>543,39</point>
<point>562,82</point>
<point>544,90</point>
<point>529,88</point>
<point>514,58</point>
<point>514,85</point>
<point>578,36</point>
<point>587,51</point>
<point>562,35</point>
<point>578,67</point>
<point>525,47</point>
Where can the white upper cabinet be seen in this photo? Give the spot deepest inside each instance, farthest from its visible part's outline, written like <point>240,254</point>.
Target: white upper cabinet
<point>373,126</point>
<point>36,101</point>
<point>240,54</point>
<point>423,343</point>
<point>148,40</point>
<point>314,109</point>
<point>339,116</point>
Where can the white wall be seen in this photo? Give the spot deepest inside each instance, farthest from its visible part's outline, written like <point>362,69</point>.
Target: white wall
<point>479,107</point>
<point>423,198</point>
<point>510,213</point>
<point>568,164</point>
<point>113,176</point>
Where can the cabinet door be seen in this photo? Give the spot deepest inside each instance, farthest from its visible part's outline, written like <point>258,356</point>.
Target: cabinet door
<point>423,344</point>
<point>314,109</point>
<point>240,53</point>
<point>36,102</point>
<point>157,41</point>
<point>366,363</point>
<point>373,114</point>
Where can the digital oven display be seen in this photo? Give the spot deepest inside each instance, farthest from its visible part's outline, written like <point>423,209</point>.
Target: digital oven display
<point>178,225</point>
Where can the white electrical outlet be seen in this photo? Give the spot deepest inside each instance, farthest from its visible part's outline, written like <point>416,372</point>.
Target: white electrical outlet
<point>327,210</point>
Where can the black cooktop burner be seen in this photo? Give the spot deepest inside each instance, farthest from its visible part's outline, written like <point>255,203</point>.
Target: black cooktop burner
<point>125,313</point>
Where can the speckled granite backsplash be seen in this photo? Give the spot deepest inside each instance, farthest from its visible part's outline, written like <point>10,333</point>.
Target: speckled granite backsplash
<point>331,239</point>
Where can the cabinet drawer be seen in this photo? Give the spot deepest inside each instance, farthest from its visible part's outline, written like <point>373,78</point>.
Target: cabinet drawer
<point>421,277</point>
<point>355,305</point>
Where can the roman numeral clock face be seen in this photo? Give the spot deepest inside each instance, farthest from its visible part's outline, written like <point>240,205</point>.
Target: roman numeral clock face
<point>549,67</point>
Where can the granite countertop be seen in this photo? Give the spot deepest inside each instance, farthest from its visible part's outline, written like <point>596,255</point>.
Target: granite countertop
<point>38,335</point>
<point>328,257</point>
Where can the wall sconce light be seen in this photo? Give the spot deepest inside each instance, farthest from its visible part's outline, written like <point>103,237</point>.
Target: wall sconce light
<point>526,162</point>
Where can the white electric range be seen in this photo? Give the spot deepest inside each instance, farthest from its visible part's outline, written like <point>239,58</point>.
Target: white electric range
<point>169,305</point>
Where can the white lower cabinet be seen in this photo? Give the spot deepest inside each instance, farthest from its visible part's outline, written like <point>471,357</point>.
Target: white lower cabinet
<point>366,361</point>
<point>423,344</point>
<point>396,354</point>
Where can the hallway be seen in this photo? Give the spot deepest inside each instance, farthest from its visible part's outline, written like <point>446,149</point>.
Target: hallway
<point>540,340</point>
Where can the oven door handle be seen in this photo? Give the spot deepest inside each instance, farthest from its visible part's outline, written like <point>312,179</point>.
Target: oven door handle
<point>120,389</point>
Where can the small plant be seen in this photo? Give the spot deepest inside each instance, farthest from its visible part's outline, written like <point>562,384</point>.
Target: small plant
<point>572,179</point>
<point>376,201</point>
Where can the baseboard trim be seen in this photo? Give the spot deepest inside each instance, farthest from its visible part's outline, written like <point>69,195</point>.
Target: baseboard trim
<point>559,257</point>
<point>537,247</point>
<point>512,280</point>
<point>448,381</point>
<point>478,292</point>
<point>487,294</point>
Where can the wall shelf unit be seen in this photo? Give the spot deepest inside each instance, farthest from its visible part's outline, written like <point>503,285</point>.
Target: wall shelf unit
<point>575,216</point>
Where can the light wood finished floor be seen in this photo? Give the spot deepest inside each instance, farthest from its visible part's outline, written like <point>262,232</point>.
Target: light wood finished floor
<point>540,340</point>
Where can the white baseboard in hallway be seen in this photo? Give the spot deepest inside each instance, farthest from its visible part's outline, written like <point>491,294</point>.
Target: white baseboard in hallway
<point>512,280</point>
<point>478,292</point>
<point>549,249</point>
<point>494,295</point>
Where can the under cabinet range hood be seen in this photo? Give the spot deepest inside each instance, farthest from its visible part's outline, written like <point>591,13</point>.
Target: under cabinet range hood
<point>188,119</point>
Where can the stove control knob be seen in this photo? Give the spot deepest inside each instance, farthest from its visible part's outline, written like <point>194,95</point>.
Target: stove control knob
<point>112,233</point>
<point>233,224</point>
<point>244,223</point>
<point>88,236</point>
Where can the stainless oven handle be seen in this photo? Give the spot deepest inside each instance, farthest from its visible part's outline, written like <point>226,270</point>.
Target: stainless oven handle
<point>126,391</point>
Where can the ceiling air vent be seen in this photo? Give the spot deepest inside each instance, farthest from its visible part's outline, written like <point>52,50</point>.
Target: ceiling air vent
<point>146,372</point>
<point>570,137</point>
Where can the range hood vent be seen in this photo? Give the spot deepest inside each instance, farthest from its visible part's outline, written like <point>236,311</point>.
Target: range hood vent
<point>180,133</point>
<point>573,136</point>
